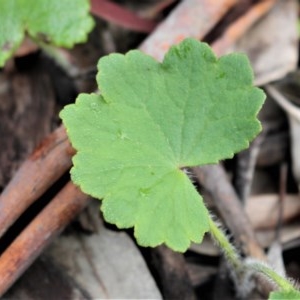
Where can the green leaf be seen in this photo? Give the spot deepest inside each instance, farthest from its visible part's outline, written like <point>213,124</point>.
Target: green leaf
<point>60,22</point>
<point>150,122</point>
<point>285,295</point>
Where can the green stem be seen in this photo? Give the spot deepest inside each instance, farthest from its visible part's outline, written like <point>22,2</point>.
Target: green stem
<point>223,242</point>
<point>234,259</point>
<point>282,282</point>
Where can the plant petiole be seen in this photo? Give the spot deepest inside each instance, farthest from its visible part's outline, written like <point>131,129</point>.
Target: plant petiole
<point>283,283</point>
<point>221,239</point>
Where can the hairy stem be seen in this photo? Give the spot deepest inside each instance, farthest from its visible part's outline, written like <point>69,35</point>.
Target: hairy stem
<point>223,242</point>
<point>240,266</point>
<point>280,281</point>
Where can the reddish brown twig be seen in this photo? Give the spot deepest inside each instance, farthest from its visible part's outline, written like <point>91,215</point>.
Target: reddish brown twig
<point>39,233</point>
<point>191,18</point>
<point>242,25</point>
<point>115,13</point>
<point>157,8</point>
<point>46,164</point>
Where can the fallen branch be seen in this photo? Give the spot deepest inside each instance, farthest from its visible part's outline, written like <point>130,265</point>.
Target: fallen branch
<point>242,25</point>
<point>39,233</point>
<point>190,18</point>
<point>120,15</point>
<point>45,165</point>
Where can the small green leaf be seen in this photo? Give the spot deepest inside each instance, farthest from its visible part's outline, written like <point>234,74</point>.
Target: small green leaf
<point>285,295</point>
<point>150,122</point>
<point>60,22</point>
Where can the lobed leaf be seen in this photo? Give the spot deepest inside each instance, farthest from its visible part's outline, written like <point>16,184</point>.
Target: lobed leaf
<point>60,22</point>
<point>151,121</point>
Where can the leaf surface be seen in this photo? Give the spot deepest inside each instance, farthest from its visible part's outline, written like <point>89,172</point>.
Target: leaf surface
<point>60,22</point>
<point>285,295</point>
<point>151,121</point>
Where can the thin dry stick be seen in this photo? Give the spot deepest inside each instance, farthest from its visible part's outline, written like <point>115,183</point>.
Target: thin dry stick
<point>242,25</point>
<point>246,162</point>
<point>113,12</point>
<point>39,233</point>
<point>46,164</point>
<point>190,18</point>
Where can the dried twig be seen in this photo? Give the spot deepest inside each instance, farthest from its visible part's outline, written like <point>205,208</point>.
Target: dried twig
<point>191,18</point>
<point>242,25</point>
<point>46,164</point>
<point>120,15</point>
<point>246,162</point>
<point>39,233</point>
